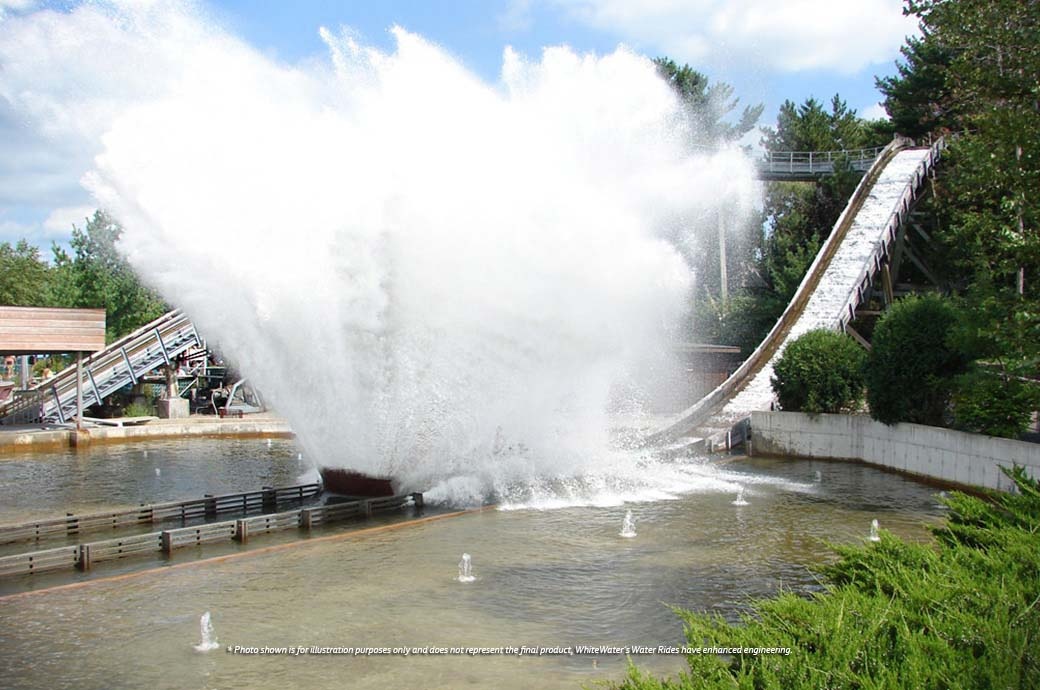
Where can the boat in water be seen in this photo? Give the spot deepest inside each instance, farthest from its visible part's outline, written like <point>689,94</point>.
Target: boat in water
<point>346,482</point>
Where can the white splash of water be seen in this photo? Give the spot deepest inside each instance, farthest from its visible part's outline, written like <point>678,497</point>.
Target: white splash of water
<point>466,569</point>
<point>628,526</point>
<point>431,277</point>
<point>740,500</point>
<point>209,638</point>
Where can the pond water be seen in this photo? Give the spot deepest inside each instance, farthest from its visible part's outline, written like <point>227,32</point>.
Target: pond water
<point>544,578</point>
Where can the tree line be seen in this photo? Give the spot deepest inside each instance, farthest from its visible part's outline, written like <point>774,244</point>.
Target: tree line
<point>95,275</point>
<point>971,77</point>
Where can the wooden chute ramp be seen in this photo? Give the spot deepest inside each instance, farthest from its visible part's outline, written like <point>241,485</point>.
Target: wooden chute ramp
<point>838,281</point>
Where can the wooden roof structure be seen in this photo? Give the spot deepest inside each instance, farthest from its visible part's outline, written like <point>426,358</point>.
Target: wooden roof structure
<point>38,330</point>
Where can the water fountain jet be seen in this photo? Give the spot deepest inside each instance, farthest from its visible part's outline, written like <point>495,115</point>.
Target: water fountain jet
<point>209,638</point>
<point>739,500</point>
<point>466,569</point>
<point>628,527</point>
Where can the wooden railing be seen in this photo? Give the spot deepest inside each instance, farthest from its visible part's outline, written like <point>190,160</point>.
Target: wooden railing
<point>84,556</point>
<point>267,499</point>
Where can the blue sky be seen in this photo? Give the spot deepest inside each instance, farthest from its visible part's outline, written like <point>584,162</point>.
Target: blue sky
<point>768,50</point>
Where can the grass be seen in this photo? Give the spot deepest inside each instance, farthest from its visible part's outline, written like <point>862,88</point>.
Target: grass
<point>963,612</point>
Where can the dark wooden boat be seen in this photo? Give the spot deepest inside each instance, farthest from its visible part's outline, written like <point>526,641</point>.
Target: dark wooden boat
<point>352,483</point>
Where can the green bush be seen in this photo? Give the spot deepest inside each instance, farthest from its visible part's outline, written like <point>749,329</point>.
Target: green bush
<point>821,371</point>
<point>912,366</point>
<point>985,402</point>
<point>961,613</point>
<point>136,409</point>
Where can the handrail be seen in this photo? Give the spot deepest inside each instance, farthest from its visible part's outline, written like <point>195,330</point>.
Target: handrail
<point>895,221</point>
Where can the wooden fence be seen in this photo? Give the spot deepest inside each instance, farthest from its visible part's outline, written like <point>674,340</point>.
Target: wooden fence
<point>268,499</point>
<point>84,556</point>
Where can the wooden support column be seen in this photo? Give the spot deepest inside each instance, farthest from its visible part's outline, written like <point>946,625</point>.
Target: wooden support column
<point>79,391</point>
<point>84,557</point>
<point>886,285</point>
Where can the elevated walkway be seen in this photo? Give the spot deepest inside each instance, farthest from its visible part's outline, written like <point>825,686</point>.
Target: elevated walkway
<point>838,280</point>
<point>123,362</point>
<point>808,166</point>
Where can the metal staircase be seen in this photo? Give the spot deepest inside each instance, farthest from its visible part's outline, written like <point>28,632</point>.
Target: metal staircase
<point>123,362</point>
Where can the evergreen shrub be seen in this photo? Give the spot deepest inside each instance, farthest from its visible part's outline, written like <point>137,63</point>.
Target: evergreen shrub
<point>821,371</point>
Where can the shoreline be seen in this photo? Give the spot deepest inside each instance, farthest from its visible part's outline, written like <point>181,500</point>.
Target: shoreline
<point>49,437</point>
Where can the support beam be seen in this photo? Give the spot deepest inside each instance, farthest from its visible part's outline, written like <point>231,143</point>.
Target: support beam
<point>886,286</point>
<point>897,250</point>
<point>857,337</point>
<point>916,261</point>
<point>79,391</point>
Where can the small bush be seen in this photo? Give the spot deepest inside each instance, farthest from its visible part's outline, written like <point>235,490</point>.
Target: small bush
<point>821,371</point>
<point>912,366</point>
<point>136,409</point>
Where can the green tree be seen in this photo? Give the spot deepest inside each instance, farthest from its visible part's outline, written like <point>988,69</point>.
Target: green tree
<point>102,278</point>
<point>709,106</point>
<point>712,111</point>
<point>974,71</point>
<point>918,99</point>
<point>25,279</point>
<point>913,362</point>
<point>821,371</point>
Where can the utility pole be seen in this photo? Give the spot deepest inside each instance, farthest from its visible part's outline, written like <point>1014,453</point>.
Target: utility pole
<point>723,279</point>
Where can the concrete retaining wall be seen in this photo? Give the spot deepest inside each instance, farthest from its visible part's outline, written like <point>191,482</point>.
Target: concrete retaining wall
<point>31,439</point>
<point>942,454</point>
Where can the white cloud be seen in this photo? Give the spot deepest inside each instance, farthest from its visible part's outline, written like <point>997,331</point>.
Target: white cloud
<point>65,76</point>
<point>15,6</point>
<point>874,112</point>
<point>58,225</point>
<point>842,36</point>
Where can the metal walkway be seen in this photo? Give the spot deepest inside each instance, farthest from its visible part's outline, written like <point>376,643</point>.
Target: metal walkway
<point>837,282</point>
<point>806,166</point>
<point>121,363</point>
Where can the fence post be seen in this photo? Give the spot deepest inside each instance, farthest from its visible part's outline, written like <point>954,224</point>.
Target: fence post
<point>167,541</point>
<point>366,507</point>
<point>417,499</point>
<point>270,499</point>
<point>84,557</point>
<point>211,505</point>
<point>241,531</point>
<point>305,519</point>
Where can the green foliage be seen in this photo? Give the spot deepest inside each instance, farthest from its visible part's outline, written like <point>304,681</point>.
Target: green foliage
<point>912,365</point>
<point>24,276</point>
<point>821,371</point>
<point>959,614</point>
<point>95,276</point>
<point>136,409</point>
<point>811,127</point>
<point>985,402</point>
<point>741,320</point>
<point>974,71</point>
<point>103,278</point>
<point>918,99</point>
<point>708,105</point>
